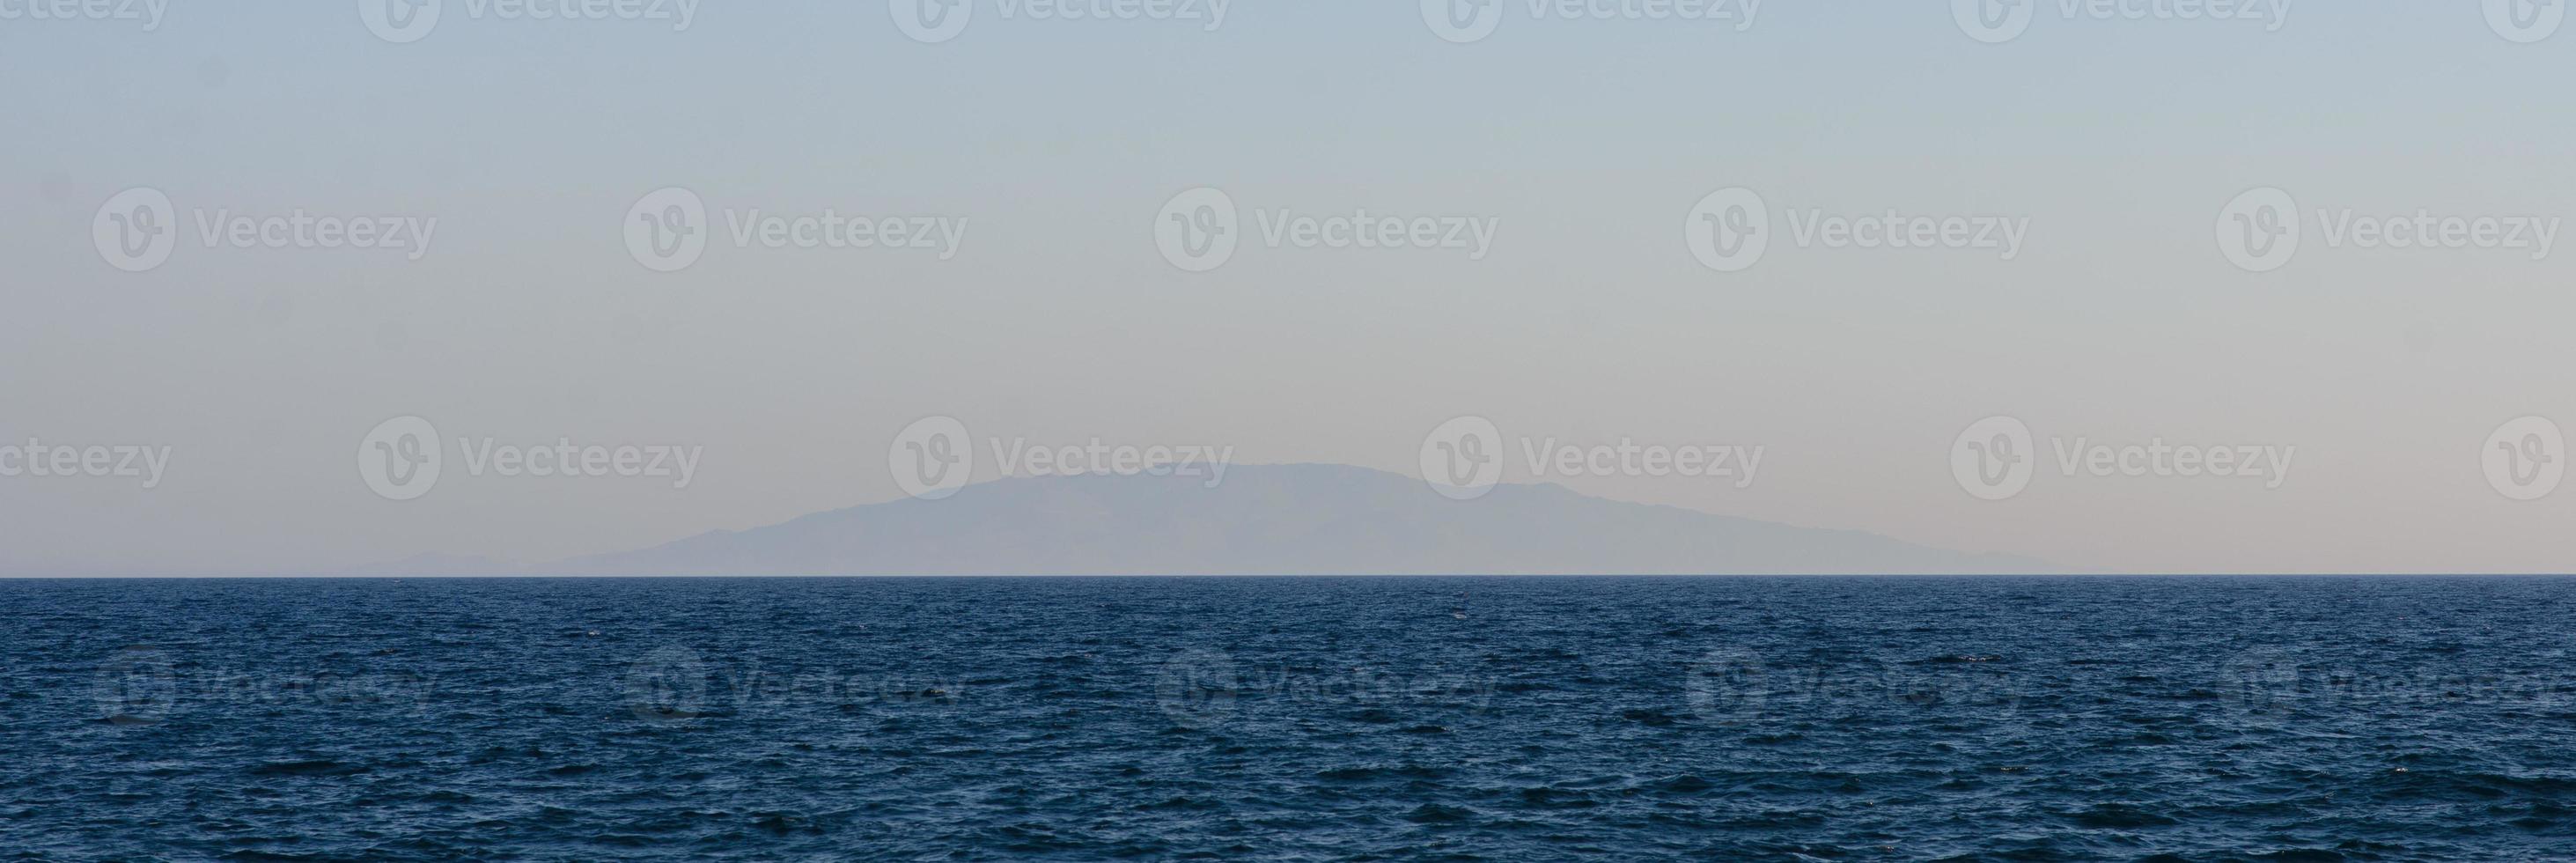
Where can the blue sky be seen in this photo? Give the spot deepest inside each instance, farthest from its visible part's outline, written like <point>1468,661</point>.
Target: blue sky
<point>1586,140</point>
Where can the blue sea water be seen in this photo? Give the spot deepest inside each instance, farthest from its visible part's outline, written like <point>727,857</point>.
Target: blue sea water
<point>1305,719</point>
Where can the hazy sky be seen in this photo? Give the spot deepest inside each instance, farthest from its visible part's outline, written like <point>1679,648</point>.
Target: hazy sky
<point>1049,148</point>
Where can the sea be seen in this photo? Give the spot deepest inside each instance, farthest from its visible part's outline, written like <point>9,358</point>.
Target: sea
<point>1310,719</point>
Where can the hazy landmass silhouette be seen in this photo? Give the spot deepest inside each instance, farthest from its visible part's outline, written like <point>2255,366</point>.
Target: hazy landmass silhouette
<point>1303,519</point>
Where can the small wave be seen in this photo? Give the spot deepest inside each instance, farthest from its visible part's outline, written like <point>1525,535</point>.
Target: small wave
<point>1433,813</point>
<point>315,767</point>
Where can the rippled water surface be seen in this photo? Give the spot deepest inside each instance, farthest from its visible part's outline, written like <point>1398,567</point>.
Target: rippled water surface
<point>1317,719</point>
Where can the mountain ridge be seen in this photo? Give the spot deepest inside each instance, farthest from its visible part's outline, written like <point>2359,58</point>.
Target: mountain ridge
<point>1285,519</point>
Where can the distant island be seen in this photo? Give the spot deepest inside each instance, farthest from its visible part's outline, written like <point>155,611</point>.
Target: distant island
<point>1299,519</point>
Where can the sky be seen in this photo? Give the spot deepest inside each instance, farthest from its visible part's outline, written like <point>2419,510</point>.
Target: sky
<point>2096,182</point>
